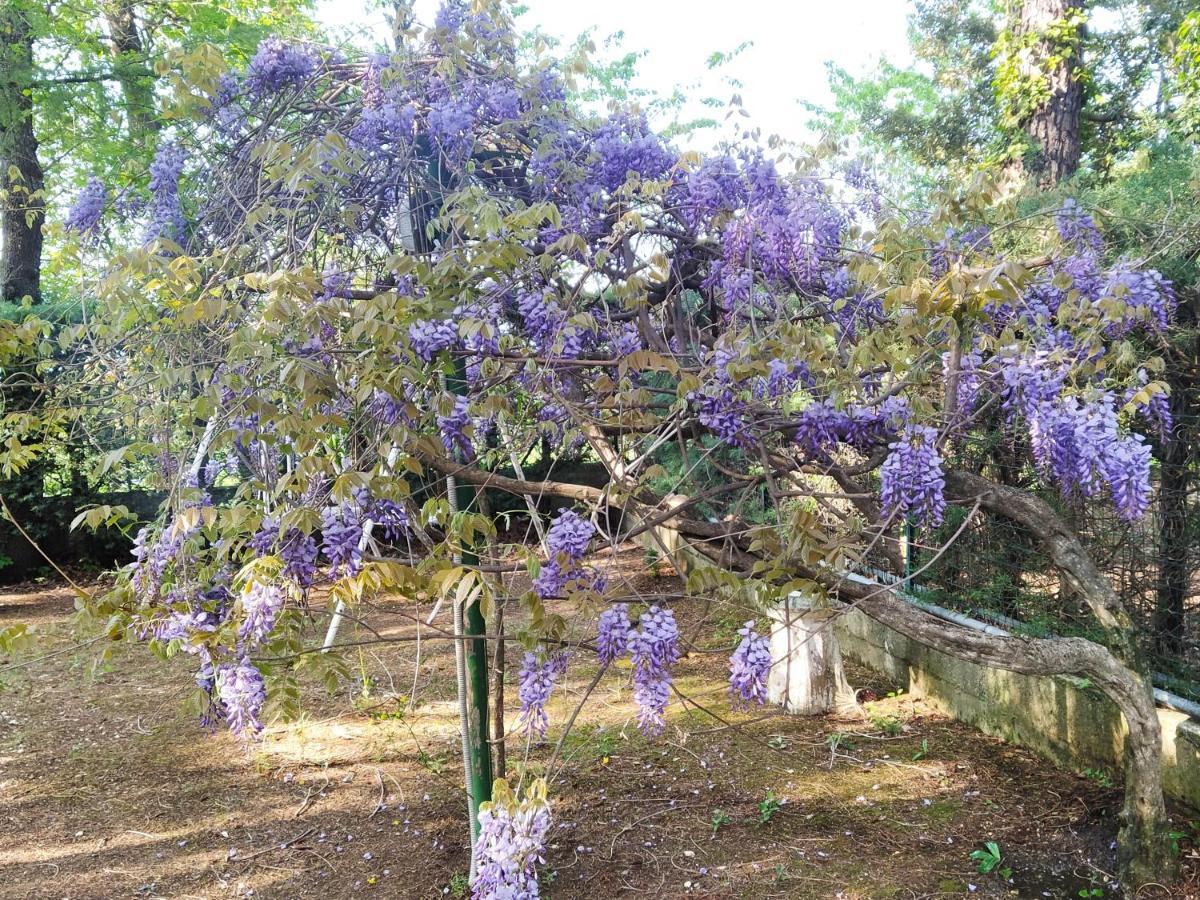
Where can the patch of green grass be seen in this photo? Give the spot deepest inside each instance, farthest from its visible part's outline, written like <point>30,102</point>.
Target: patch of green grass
<point>943,810</point>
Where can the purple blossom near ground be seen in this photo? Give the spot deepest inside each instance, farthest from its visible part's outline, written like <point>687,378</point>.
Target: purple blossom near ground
<point>570,534</point>
<point>510,847</point>
<point>299,554</point>
<point>341,532</point>
<point>654,648</point>
<point>390,518</point>
<point>749,666</point>
<point>261,605</point>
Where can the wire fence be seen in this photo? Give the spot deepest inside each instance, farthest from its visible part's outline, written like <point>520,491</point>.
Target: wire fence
<point>996,570</point>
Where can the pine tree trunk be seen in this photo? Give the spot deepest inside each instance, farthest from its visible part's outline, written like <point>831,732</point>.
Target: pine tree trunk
<point>130,52</point>
<point>1175,481</point>
<point>22,206</point>
<point>1053,125</point>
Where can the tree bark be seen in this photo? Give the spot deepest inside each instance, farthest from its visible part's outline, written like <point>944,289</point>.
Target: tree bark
<point>22,205</point>
<point>130,56</point>
<point>1053,125</point>
<point>1119,670</point>
<point>1175,481</point>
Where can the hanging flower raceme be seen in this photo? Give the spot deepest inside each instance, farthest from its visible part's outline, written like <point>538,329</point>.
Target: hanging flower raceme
<point>428,338</point>
<point>654,648</point>
<point>911,477</point>
<point>242,694</point>
<point>341,531</point>
<point>278,64</point>
<point>84,217</point>
<point>749,666</point>
<point>453,427</point>
<point>166,211</point>
<point>614,635</point>
<point>261,605</point>
<point>567,540</point>
<point>539,673</point>
<point>570,534</point>
<point>512,839</point>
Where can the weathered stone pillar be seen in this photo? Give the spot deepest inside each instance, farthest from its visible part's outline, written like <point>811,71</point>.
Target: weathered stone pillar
<point>806,672</point>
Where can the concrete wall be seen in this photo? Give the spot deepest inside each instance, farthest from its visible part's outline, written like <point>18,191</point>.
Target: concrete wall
<point>1061,719</point>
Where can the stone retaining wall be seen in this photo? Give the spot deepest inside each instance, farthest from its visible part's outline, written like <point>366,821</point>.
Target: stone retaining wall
<point>1061,719</point>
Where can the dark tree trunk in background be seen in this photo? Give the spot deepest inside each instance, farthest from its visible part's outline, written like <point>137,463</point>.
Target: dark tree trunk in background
<point>22,206</point>
<point>1053,125</point>
<point>1175,480</point>
<point>130,53</point>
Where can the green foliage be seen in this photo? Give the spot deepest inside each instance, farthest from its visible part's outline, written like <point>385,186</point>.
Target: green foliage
<point>988,860</point>
<point>839,740</point>
<point>935,117</point>
<point>719,819</point>
<point>976,80</point>
<point>888,724</point>
<point>767,808</point>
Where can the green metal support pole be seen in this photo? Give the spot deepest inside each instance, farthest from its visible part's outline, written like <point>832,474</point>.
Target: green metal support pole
<point>479,779</point>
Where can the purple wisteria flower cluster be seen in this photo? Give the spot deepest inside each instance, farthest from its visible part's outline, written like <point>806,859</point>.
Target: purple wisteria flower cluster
<point>85,214</point>
<point>166,209</point>
<point>613,638</point>
<point>654,648</point>
<point>341,534</point>
<point>568,539</point>
<point>242,693</point>
<point>749,666</point>
<point>261,605</point>
<point>540,671</point>
<point>911,477</point>
<point>279,64</point>
<point>511,844</point>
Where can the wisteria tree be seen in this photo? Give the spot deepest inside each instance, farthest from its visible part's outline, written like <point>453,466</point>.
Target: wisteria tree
<point>358,291</point>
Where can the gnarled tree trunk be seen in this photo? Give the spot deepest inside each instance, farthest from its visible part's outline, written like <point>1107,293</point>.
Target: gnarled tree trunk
<point>1144,844</point>
<point>1118,669</point>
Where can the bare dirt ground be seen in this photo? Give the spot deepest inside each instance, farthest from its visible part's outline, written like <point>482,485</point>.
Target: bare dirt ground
<point>108,788</point>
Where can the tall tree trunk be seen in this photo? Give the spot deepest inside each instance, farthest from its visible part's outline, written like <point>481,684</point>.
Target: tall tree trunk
<point>1048,38</point>
<point>1174,543</point>
<point>22,212</point>
<point>1175,480</point>
<point>22,206</point>
<point>130,55</point>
